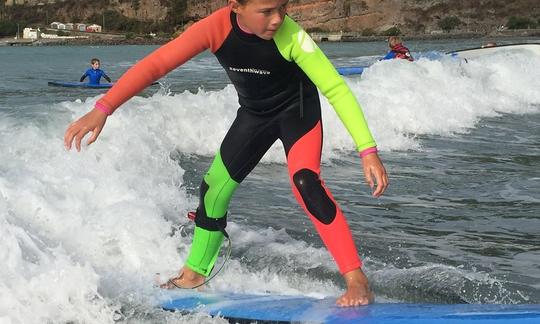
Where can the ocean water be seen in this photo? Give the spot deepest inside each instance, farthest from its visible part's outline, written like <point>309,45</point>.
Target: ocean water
<point>82,235</point>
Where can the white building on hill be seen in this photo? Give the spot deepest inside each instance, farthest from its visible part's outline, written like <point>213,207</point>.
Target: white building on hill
<point>31,33</point>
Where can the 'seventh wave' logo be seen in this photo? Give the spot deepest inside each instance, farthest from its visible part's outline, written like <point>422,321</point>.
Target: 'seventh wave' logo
<point>249,70</point>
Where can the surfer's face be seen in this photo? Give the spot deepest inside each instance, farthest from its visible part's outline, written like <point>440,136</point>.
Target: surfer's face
<point>95,65</point>
<point>260,17</point>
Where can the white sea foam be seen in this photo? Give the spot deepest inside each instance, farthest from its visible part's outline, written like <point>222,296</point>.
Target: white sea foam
<point>403,100</point>
<point>83,233</point>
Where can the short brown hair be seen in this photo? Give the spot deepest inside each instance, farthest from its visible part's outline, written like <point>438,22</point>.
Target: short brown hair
<point>94,60</point>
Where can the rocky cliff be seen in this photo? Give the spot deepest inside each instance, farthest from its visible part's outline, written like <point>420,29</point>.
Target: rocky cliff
<point>368,16</point>
<point>411,16</point>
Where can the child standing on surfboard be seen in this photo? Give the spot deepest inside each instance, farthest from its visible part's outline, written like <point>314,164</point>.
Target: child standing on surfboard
<point>276,69</point>
<point>94,73</point>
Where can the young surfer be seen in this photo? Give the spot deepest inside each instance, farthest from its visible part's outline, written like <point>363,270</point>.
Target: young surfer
<point>397,50</point>
<point>276,69</point>
<point>94,73</point>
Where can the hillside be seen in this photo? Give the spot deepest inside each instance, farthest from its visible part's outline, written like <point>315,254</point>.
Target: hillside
<point>412,17</point>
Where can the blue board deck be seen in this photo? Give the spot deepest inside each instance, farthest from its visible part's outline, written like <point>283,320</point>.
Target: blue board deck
<point>245,308</point>
<point>351,70</point>
<point>80,85</point>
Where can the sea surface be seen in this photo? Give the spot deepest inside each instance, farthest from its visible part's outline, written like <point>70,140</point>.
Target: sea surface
<point>84,235</point>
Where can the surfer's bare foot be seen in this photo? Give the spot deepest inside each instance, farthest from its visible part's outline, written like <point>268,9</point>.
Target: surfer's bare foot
<point>186,278</point>
<point>358,292</point>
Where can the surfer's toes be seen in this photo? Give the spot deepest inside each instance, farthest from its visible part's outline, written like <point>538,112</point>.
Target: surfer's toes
<point>347,301</point>
<point>342,302</point>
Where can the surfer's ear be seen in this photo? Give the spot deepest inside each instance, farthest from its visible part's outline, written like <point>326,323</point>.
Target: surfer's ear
<point>234,5</point>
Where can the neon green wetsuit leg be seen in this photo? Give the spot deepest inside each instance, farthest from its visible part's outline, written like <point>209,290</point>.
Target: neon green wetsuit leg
<point>216,192</point>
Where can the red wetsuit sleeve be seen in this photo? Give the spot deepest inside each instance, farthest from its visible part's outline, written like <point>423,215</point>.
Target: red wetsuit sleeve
<point>208,33</point>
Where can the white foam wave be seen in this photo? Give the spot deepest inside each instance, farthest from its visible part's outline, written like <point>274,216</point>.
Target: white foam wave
<point>83,233</point>
<point>402,100</point>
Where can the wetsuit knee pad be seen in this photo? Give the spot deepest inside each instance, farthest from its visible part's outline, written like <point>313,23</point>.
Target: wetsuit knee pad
<point>317,201</point>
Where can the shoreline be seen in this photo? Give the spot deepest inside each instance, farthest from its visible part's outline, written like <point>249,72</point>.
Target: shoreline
<point>345,37</point>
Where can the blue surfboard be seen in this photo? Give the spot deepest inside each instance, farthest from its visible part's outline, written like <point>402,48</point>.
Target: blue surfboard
<point>70,84</point>
<point>246,308</point>
<point>351,70</point>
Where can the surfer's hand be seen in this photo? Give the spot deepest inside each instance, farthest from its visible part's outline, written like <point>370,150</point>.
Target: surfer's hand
<point>93,122</point>
<point>373,168</point>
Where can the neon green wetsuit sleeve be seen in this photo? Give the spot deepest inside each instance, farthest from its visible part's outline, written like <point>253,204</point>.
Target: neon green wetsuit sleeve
<point>295,45</point>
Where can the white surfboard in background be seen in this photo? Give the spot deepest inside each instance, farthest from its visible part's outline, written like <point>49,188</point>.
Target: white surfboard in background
<point>480,51</point>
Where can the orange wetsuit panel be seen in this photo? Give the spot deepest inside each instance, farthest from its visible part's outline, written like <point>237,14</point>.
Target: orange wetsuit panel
<point>208,33</point>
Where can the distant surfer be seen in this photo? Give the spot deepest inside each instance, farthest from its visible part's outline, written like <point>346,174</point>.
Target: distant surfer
<point>276,69</point>
<point>94,73</point>
<point>397,50</point>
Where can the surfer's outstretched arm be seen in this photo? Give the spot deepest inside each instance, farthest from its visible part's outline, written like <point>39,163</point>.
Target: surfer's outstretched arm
<point>160,62</point>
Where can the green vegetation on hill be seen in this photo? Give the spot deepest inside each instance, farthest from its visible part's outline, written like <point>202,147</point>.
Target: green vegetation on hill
<point>521,23</point>
<point>8,28</point>
<point>449,23</point>
<point>392,31</point>
<point>177,12</point>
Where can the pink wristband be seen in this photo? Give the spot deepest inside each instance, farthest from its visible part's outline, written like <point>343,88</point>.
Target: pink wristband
<point>368,151</point>
<point>102,108</point>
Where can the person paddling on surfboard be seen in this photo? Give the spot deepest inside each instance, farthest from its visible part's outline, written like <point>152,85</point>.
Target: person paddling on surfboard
<point>397,50</point>
<point>276,69</point>
<point>94,73</point>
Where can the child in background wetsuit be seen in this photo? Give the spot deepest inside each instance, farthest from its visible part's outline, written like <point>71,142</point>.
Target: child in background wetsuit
<point>94,73</point>
<point>397,50</point>
<point>276,69</point>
